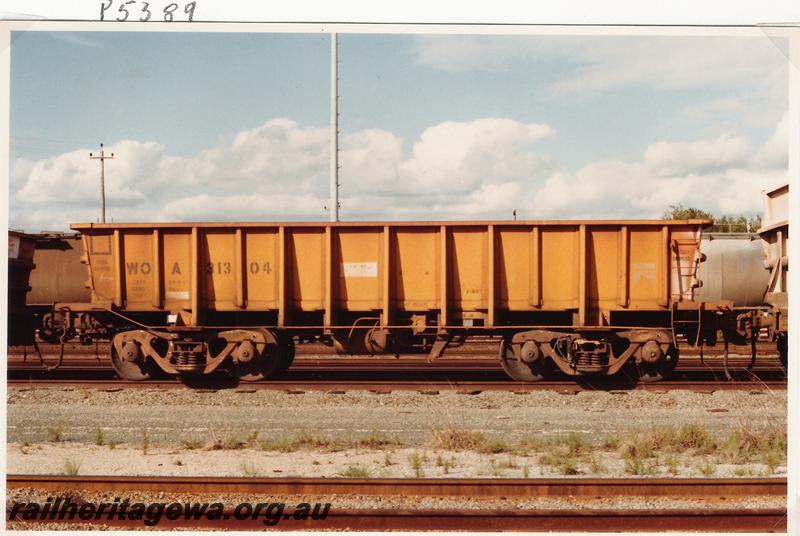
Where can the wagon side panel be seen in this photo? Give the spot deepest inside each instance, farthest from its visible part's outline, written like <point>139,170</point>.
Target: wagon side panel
<point>358,266</point>
<point>416,282</point>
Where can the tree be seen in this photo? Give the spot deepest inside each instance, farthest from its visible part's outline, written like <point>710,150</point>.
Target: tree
<point>723,224</point>
<point>679,212</point>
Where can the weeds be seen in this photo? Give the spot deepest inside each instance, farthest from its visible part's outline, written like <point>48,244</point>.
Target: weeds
<point>387,460</point>
<point>708,468</point>
<point>744,470</point>
<point>662,437</point>
<point>416,462</point>
<point>377,440</point>
<point>295,443</point>
<point>249,468</point>
<point>71,467</point>
<point>229,443</point>
<point>695,436</point>
<point>55,434</point>
<point>355,471</point>
<point>638,456</point>
<point>509,463</point>
<point>494,446</point>
<point>611,442</point>
<point>672,464</point>
<point>145,441</point>
<point>772,458</point>
<point>191,444</point>
<point>494,468</point>
<point>561,460</point>
<point>99,439</point>
<point>459,439</point>
<point>596,465</point>
<point>575,443</point>
<point>445,464</point>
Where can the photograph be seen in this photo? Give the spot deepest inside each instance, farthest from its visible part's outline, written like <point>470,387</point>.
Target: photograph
<point>376,277</point>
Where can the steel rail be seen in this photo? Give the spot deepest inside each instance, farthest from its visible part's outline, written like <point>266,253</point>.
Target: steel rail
<point>477,519</point>
<point>583,520</point>
<point>427,386</point>
<point>380,365</point>
<point>709,488</point>
<point>468,349</point>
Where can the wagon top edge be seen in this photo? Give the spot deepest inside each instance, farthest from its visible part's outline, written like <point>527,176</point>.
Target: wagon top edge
<point>349,224</point>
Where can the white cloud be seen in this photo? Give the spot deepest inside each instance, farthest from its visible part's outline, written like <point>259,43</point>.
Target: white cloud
<point>668,159</point>
<point>775,152</point>
<point>458,157</point>
<point>723,175</point>
<point>600,63</point>
<point>479,169</point>
<point>280,171</point>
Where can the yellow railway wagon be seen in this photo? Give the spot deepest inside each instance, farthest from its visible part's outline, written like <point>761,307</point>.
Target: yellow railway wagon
<point>587,296</point>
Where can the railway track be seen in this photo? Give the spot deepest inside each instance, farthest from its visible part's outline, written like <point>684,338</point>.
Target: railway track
<point>474,349</point>
<point>386,386</point>
<point>322,372</point>
<point>370,364</point>
<point>474,519</point>
<point>90,363</point>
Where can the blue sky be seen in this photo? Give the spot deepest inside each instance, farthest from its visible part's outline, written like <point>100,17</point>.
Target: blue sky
<point>234,126</point>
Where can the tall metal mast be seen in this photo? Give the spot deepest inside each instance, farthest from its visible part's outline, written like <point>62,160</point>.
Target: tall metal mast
<point>334,208</point>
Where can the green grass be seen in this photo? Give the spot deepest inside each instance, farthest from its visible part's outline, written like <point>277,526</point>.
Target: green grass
<point>452,438</point>
<point>671,462</point>
<point>708,468</point>
<point>191,444</point>
<point>596,465</point>
<point>71,467</point>
<point>695,436</point>
<point>145,441</point>
<point>417,462</point>
<point>249,468</point>
<point>377,440</point>
<point>638,456</point>
<point>561,459</point>
<point>355,471</point>
<point>611,442</point>
<point>445,463</point>
<point>303,440</point>
<point>55,433</point>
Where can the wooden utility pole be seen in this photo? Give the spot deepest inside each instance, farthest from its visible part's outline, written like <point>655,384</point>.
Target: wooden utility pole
<point>103,157</point>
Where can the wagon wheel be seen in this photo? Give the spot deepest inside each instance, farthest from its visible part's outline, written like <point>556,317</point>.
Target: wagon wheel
<point>265,363</point>
<point>653,372</point>
<point>128,360</point>
<point>519,370</point>
<point>783,350</point>
<point>286,347</point>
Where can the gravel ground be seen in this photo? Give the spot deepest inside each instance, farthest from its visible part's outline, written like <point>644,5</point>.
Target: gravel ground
<point>171,416</point>
<point>385,463</point>
<point>52,429</point>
